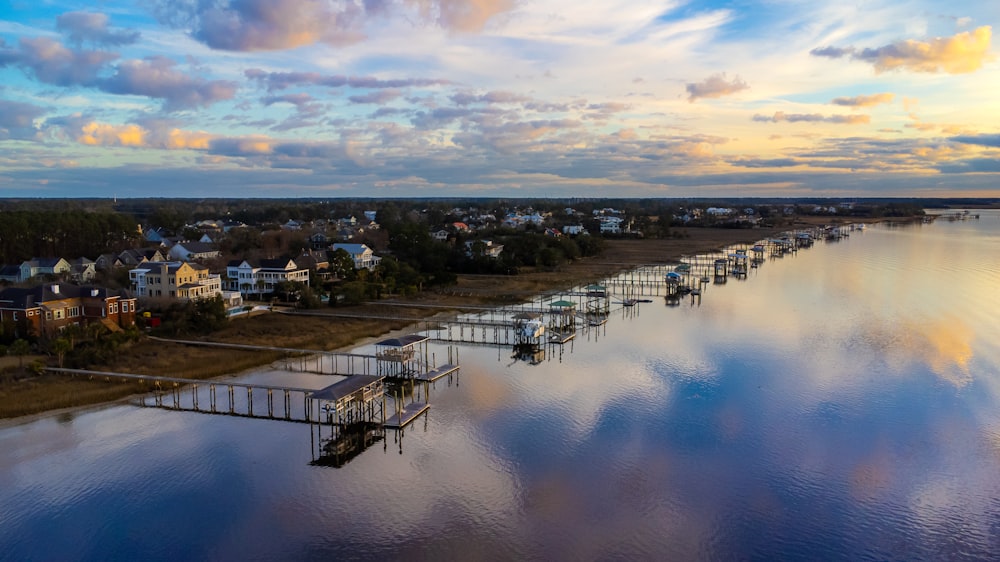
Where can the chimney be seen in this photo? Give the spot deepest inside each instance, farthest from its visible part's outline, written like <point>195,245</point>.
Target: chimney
<point>94,292</point>
<point>55,288</point>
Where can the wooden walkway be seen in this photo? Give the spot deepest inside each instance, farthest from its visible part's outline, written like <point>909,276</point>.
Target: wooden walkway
<point>437,373</point>
<point>406,415</point>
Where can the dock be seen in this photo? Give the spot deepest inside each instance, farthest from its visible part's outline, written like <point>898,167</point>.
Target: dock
<point>405,415</point>
<point>438,373</point>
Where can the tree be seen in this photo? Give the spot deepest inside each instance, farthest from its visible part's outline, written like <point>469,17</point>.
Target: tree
<point>61,346</point>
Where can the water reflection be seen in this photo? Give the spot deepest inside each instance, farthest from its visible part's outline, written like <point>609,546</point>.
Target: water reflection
<point>840,402</point>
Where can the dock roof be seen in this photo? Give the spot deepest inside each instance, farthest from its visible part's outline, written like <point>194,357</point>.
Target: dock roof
<point>403,341</point>
<point>344,388</point>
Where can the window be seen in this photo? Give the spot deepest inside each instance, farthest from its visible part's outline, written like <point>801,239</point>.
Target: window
<point>74,312</point>
<point>59,314</point>
<point>48,315</point>
<point>125,306</point>
<point>15,315</point>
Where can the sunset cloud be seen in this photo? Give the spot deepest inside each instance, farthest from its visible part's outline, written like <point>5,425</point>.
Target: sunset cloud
<point>781,116</point>
<point>962,53</point>
<point>462,15</point>
<point>864,101</point>
<point>715,86</point>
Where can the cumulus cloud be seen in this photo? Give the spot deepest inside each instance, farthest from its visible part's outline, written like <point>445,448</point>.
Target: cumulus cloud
<point>864,101</point>
<point>17,120</point>
<point>715,86</point>
<point>282,80</point>
<point>154,134</point>
<point>780,116</point>
<point>51,62</point>
<point>961,53</point>
<point>157,77</point>
<point>93,27</point>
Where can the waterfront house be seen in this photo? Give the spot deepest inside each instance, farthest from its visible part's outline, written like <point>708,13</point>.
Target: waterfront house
<point>262,276</point>
<point>175,280</point>
<point>362,255</point>
<point>46,309</point>
<point>193,251</point>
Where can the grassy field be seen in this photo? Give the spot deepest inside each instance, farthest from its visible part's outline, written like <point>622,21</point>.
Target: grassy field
<point>50,392</point>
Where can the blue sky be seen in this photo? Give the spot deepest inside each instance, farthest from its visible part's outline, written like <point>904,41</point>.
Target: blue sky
<point>550,98</point>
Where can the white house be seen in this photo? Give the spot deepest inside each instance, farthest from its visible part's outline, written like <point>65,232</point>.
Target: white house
<point>611,225</point>
<point>262,278</point>
<point>573,229</point>
<point>362,255</point>
<point>489,248</point>
<point>188,251</point>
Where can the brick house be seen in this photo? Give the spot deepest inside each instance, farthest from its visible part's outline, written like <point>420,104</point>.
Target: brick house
<point>46,309</point>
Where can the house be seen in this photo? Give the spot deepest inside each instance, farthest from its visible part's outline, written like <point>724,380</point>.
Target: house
<point>440,235</point>
<point>319,240</point>
<point>483,248</point>
<point>10,273</point>
<point>139,256</point>
<point>260,279</point>
<point>193,251</point>
<point>156,235</point>
<point>43,266</point>
<point>370,215</point>
<point>312,260</point>
<point>175,280</point>
<point>83,270</point>
<point>574,229</point>
<point>107,262</point>
<point>48,308</point>
<point>362,255</point>
<point>611,225</point>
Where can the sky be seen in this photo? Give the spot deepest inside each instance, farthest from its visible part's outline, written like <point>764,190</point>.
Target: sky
<point>499,98</point>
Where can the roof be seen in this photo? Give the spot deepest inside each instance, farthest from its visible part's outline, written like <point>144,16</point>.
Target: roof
<point>403,341</point>
<point>352,248</point>
<point>562,304</point>
<point>198,247</point>
<point>344,388</point>
<point>10,270</point>
<point>23,298</point>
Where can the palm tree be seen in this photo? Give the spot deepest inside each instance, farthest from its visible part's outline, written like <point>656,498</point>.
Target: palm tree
<point>61,346</point>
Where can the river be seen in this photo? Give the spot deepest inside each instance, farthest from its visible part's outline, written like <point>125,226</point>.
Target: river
<point>842,402</point>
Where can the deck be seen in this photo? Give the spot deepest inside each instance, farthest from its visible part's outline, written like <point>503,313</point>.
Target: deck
<point>407,414</point>
<point>437,373</point>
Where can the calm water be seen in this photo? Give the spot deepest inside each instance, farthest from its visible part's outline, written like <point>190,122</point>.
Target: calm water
<point>841,403</point>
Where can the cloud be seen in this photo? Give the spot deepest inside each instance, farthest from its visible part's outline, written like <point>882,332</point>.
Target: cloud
<point>282,80</point>
<point>461,15</point>
<point>93,27</point>
<point>865,101</point>
<point>766,162</point>
<point>155,134</point>
<point>17,120</point>
<point>265,25</point>
<point>961,53</point>
<point>52,63</point>
<point>156,77</point>
<point>780,116</point>
<point>981,140</point>
<point>378,97</point>
<point>715,86</point>
<point>466,98</point>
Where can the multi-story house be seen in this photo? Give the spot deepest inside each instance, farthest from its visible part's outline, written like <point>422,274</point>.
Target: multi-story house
<point>175,280</point>
<point>362,255</point>
<point>259,279</point>
<point>46,309</point>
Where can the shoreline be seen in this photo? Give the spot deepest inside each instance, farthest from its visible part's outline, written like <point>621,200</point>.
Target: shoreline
<point>469,292</point>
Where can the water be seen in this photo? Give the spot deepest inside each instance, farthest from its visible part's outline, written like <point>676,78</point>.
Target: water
<point>840,403</point>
